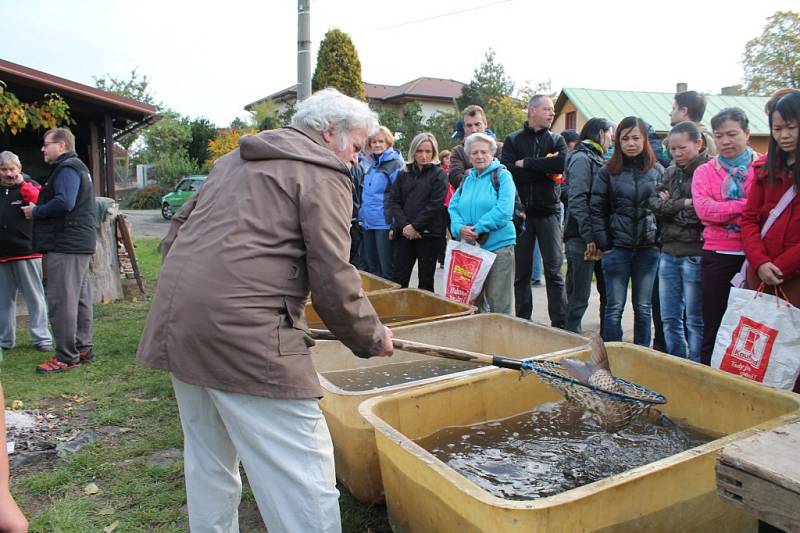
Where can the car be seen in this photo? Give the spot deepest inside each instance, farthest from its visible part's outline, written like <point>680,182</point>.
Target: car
<point>185,188</point>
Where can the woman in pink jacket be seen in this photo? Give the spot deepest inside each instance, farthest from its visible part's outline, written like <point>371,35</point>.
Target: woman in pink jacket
<point>719,190</point>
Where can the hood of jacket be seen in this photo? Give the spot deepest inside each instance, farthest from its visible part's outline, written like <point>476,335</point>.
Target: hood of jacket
<point>493,165</point>
<point>296,143</point>
<point>390,154</point>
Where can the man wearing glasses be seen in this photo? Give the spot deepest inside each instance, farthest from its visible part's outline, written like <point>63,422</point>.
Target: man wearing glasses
<point>64,229</point>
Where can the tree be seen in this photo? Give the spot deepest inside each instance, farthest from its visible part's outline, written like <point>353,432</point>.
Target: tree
<point>405,124</point>
<point>135,87</point>
<point>442,125</point>
<point>506,115</point>
<point>172,134</point>
<point>202,132</point>
<point>772,60</point>
<point>489,81</point>
<point>225,142</point>
<point>16,115</point>
<point>265,116</point>
<point>338,65</point>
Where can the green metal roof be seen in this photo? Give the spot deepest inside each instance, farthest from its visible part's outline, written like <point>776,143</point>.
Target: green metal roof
<point>655,107</point>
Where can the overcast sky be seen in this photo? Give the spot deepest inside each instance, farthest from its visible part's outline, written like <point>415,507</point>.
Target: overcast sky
<point>211,60</point>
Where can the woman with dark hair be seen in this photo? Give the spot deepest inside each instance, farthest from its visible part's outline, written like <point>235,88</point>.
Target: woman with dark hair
<point>719,192</point>
<point>580,167</point>
<point>680,289</point>
<point>624,228</point>
<point>774,259</point>
<point>416,203</point>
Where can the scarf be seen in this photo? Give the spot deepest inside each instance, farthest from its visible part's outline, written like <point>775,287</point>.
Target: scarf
<point>733,184</point>
<point>596,146</point>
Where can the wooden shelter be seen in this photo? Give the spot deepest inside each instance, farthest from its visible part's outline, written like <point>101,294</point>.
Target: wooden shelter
<point>101,118</point>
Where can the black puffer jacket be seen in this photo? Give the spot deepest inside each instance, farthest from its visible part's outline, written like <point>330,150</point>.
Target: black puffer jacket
<point>538,192</point>
<point>581,166</point>
<point>620,206</point>
<point>417,199</point>
<point>681,229</point>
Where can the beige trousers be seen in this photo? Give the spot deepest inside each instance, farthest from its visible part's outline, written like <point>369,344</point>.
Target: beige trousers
<point>286,451</point>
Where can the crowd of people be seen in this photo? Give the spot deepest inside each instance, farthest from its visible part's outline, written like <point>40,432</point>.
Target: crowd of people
<point>675,219</point>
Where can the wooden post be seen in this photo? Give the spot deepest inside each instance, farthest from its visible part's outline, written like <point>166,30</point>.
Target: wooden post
<point>95,151</point>
<point>104,268</point>
<point>110,189</point>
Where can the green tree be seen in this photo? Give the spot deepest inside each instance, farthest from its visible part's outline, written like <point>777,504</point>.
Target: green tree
<point>172,166</point>
<point>772,60</point>
<point>170,135</point>
<point>489,81</point>
<point>287,114</point>
<point>405,124</point>
<point>338,65</point>
<point>136,87</point>
<point>265,116</point>
<point>442,125</point>
<point>202,132</point>
<point>506,115</point>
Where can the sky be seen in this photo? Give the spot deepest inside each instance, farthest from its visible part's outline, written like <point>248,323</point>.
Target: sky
<point>210,59</point>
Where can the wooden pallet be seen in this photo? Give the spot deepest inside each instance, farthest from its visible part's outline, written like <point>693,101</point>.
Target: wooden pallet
<point>127,242</point>
<point>761,476</point>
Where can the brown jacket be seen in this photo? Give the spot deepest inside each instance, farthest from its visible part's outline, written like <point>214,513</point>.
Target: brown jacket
<point>271,222</point>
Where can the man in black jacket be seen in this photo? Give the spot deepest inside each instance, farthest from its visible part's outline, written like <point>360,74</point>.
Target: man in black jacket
<point>64,229</point>
<point>534,154</point>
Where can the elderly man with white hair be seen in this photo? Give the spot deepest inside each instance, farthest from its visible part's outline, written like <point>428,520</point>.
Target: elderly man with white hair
<point>227,321</point>
<point>20,265</point>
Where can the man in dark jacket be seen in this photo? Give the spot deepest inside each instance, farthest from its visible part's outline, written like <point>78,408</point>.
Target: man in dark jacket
<point>20,266</point>
<point>474,120</point>
<point>64,229</point>
<point>534,154</point>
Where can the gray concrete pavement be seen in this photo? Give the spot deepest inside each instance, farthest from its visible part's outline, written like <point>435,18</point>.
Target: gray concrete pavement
<point>149,223</point>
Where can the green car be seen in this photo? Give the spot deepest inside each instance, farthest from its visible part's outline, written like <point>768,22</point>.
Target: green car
<point>185,188</point>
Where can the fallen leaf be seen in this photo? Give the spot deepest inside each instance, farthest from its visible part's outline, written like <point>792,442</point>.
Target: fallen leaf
<point>106,511</point>
<point>91,488</point>
<point>51,426</point>
<point>51,416</point>
<point>39,418</point>
<point>17,404</point>
<point>111,527</point>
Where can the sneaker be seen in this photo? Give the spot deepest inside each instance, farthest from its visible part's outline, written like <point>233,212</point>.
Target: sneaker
<point>536,282</point>
<point>87,355</point>
<point>54,365</point>
<point>44,347</point>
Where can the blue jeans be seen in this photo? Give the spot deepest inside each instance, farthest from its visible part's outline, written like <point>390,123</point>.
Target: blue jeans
<point>378,252</point>
<point>537,264</point>
<point>639,266</point>
<point>680,288</point>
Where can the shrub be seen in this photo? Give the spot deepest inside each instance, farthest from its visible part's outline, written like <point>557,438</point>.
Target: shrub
<point>172,166</point>
<point>146,198</point>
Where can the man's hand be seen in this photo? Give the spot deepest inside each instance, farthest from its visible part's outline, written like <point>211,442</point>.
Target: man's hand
<point>410,233</point>
<point>27,210</point>
<point>770,274</point>
<point>688,202</point>
<point>519,163</point>
<point>664,195</point>
<point>468,234</point>
<point>387,348</point>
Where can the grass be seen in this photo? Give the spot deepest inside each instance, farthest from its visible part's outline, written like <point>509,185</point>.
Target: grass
<point>133,410</point>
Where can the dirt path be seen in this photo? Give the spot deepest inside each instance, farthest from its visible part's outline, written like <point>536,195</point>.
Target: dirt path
<point>146,222</point>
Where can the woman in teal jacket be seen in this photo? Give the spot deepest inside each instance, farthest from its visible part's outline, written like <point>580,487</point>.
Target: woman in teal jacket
<point>481,212</point>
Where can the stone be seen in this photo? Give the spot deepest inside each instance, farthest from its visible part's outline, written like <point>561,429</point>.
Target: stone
<point>166,457</point>
<point>30,458</point>
<point>83,439</point>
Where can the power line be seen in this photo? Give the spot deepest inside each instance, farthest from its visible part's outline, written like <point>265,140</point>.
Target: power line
<point>434,17</point>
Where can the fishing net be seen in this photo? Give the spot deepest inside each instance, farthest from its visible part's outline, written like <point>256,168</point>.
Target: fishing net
<point>614,408</point>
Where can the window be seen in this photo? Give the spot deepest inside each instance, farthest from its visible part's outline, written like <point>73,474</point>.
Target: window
<point>571,120</point>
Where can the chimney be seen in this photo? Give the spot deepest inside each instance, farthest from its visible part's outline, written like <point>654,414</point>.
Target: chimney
<point>681,87</point>
<point>732,90</point>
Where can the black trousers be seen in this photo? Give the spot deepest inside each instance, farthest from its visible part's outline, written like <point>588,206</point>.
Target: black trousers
<point>424,251</point>
<point>547,230</point>
<point>716,271</point>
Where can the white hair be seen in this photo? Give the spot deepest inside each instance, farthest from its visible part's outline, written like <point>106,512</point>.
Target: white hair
<point>479,137</point>
<point>330,110</point>
<point>10,157</point>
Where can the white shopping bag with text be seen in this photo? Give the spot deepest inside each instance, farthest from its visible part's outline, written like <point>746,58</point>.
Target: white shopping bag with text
<point>465,268</point>
<point>759,338</point>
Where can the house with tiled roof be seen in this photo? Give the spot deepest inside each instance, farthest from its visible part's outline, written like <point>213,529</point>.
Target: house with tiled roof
<point>574,107</point>
<point>433,94</point>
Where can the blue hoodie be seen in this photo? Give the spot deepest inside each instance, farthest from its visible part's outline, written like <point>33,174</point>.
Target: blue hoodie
<point>375,212</point>
<point>476,203</point>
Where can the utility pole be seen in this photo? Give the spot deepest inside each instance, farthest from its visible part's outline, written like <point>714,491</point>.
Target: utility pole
<point>303,49</point>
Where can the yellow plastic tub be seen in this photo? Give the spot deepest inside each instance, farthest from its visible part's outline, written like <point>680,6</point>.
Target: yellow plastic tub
<point>372,283</point>
<point>353,438</point>
<point>677,493</point>
<point>403,307</point>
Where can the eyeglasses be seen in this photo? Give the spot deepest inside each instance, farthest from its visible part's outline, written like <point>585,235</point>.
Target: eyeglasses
<point>51,142</point>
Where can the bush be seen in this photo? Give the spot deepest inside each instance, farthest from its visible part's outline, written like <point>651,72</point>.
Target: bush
<point>146,198</point>
<point>171,167</point>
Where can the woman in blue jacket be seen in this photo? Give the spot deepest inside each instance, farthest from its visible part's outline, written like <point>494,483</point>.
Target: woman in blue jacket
<point>375,214</point>
<point>481,212</point>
